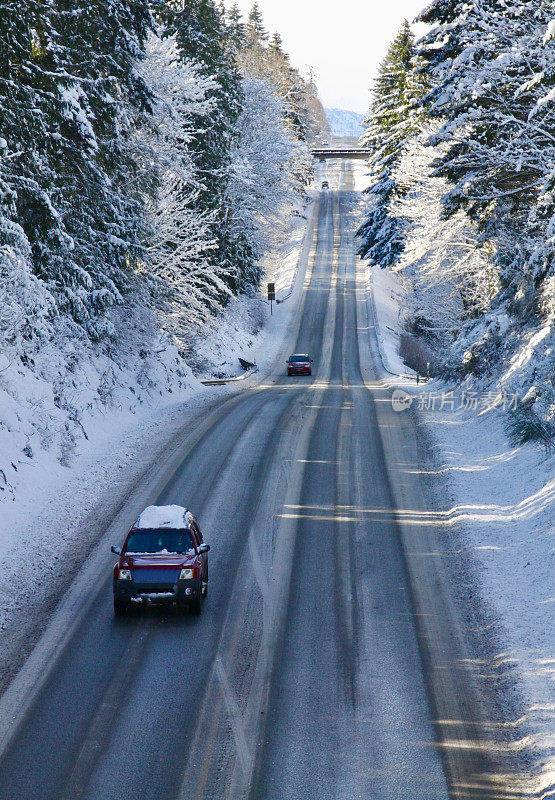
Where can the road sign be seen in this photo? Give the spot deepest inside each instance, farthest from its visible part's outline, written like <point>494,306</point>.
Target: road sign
<point>271,296</point>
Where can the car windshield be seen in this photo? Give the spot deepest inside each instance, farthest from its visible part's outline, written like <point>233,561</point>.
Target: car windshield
<point>297,359</point>
<point>159,541</point>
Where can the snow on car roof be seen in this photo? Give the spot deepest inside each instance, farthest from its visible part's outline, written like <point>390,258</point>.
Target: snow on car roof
<point>164,517</point>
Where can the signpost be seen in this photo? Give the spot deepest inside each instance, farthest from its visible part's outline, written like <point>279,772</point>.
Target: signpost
<point>271,295</point>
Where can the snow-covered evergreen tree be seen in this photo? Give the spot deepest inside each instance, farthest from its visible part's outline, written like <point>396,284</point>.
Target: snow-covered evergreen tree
<point>236,26</point>
<point>102,43</point>
<point>27,308</point>
<point>393,119</point>
<point>66,83</point>
<point>276,43</point>
<point>492,65</point>
<point>35,136</point>
<point>255,30</point>
<point>202,37</point>
<point>488,63</point>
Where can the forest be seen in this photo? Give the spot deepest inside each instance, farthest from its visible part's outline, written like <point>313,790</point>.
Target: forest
<point>461,203</point>
<point>146,151</point>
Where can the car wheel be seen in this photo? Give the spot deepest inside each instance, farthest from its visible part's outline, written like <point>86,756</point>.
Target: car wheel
<point>120,607</point>
<point>196,604</point>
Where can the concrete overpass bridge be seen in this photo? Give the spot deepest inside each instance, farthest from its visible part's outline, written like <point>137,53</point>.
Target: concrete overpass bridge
<point>322,153</point>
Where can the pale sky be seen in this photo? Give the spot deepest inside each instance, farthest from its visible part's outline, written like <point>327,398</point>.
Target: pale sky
<point>343,41</point>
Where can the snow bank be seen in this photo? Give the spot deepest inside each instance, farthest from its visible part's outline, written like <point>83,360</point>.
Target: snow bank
<point>387,293</point>
<point>501,501</point>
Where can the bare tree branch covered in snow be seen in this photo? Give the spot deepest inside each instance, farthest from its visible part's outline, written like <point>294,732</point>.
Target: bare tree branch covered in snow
<point>180,249</point>
<point>448,269</point>
<point>262,182</point>
<point>181,252</point>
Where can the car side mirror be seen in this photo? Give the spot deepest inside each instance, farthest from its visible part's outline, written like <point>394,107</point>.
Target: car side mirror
<point>312,361</point>
<point>203,548</point>
<point>115,550</point>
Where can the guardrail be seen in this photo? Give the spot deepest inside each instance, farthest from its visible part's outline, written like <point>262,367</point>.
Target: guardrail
<point>233,379</point>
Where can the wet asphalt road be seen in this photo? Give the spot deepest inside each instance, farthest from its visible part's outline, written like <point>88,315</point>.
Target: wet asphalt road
<point>302,679</point>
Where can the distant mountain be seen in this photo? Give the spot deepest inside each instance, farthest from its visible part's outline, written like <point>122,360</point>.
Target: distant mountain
<point>345,123</point>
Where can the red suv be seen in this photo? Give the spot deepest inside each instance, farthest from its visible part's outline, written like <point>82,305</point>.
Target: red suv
<point>299,364</point>
<point>163,559</point>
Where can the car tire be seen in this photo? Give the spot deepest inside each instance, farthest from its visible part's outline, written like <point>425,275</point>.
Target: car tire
<point>196,604</point>
<point>120,607</point>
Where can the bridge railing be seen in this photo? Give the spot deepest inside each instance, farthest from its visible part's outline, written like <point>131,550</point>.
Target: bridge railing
<point>341,152</point>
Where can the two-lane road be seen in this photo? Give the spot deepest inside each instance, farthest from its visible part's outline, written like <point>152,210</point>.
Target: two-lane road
<point>302,679</point>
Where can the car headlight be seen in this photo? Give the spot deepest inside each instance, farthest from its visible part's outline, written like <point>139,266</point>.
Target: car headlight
<point>185,574</point>
<point>125,574</point>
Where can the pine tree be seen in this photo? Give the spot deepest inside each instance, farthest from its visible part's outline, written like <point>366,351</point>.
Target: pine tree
<point>67,78</point>
<point>256,33</point>
<point>276,43</point>
<point>31,113</point>
<point>541,264</point>
<point>202,37</point>
<point>490,74</point>
<point>42,138</point>
<point>236,26</point>
<point>392,121</point>
<point>303,110</point>
<point>101,42</point>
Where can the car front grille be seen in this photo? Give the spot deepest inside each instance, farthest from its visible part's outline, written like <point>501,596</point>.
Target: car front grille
<point>153,575</point>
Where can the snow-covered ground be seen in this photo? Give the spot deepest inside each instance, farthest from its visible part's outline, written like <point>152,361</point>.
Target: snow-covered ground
<point>249,328</point>
<point>498,502</point>
<point>62,481</point>
<point>386,293</point>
